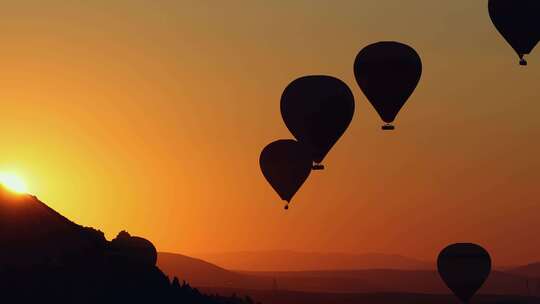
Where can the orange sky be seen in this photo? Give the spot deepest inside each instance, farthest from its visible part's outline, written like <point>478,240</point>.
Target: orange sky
<point>150,116</point>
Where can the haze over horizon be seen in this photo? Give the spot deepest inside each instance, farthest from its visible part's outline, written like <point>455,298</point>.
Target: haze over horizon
<point>150,116</point>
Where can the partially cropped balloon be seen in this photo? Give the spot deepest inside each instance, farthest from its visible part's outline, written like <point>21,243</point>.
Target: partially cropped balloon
<point>317,110</point>
<point>286,164</point>
<point>388,73</point>
<point>518,21</point>
<point>464,267</point>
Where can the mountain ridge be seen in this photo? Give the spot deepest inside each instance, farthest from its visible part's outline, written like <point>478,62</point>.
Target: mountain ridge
<point>531,270</point>
<point>290,260</point>
<point>46,258</point>
<point>355,281</point>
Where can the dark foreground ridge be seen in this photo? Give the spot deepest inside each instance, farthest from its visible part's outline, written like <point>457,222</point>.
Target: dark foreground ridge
<point>46,258</point>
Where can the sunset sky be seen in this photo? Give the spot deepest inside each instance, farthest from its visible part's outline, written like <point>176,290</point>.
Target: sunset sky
<point>150,116</point>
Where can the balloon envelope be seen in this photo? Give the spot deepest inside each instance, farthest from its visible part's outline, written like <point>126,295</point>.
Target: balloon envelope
<point>286,164</point>
<point>388,73</point>
<point>464,268</point>
<point>317,110</point>
<point>518,21</point>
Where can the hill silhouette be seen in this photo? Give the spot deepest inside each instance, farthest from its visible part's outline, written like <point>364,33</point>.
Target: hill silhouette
<point>283,260</point>
<point>46,258</point>
<point>206,275</point>
<point>531,270</point>
<point>199,272</point>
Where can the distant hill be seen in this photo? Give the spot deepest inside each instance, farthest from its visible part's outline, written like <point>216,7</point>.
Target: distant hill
<point>305,261</point>
<point>46,258</point>
<point>206,275</point>
<point>530,270</point>
<point>197,272</point>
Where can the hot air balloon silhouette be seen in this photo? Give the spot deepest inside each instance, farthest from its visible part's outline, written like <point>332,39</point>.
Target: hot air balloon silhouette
<point>464,267</point>
<point>286,164</point>
<point>388,73</point>
<point>317,110</point>
<point>518,21</point>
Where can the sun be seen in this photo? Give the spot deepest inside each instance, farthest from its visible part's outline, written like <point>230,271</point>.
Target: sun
<point>13,182</point>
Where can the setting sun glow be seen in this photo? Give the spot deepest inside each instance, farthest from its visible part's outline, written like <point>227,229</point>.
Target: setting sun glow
<point>13,182</point>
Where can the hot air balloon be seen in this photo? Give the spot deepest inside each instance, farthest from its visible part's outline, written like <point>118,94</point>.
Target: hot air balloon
<point>464,268</point>
<point>286,164</point>
<point>317,110</point>
<point>388,73</point>
<point>518,21</point>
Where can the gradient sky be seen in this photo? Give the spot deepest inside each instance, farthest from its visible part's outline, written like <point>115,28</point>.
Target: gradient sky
<point>150,116</point>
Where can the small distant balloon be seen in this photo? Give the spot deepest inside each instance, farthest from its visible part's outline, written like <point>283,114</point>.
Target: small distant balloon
<point>518,21</point>
<point>388,73</point>
<point>286,164</point>
<point>464,267</point>
<point>317,110</point>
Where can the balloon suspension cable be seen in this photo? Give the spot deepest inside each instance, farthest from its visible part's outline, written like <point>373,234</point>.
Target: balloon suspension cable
<point>388,127</point>
<point>317,167</point>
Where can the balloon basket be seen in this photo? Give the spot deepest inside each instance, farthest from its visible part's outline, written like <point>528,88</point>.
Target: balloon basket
<point>286,207</point>
<point>388,127</point>
<point>318,167</point>
<point>523,62</point>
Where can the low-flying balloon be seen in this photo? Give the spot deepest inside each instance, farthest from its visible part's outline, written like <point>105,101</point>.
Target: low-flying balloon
<point>317,110</point>
<point>388,73</point>
<point>464,267</point>
<point>518,21</point>
<point>286,164</point>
